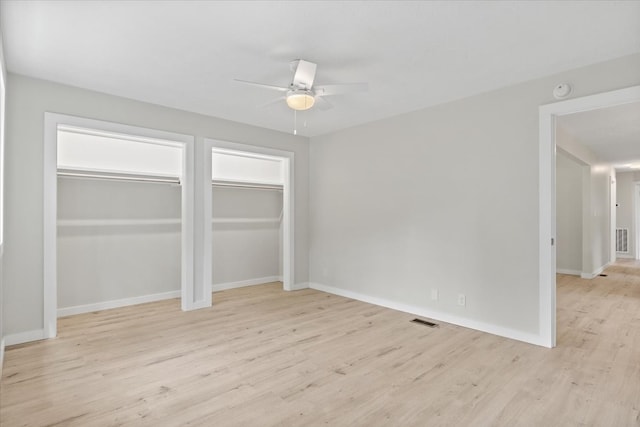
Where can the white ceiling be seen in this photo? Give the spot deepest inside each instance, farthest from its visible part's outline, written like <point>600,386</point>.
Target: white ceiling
<point>613,134</point>
<point>412,54</point>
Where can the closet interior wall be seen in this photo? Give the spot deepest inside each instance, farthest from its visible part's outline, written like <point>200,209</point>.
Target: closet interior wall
<point>246,236</point>
<point>117,240</point>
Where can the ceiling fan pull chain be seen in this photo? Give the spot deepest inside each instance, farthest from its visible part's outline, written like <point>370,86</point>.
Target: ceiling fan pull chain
<point>295,122</point>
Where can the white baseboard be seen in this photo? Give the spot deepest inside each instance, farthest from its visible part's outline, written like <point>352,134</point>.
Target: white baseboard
<point>625,256</point>
<point>197,306</point>
<point>104,305</point>
<point>435,315</point>
<point>299,286</point>
<point>595,273</point>
<point>23,337</point>
<point>567,271</point>
<point>242,283</point>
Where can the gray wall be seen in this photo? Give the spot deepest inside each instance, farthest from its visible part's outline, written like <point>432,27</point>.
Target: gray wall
<point>601,179</point>
<point>245,250</point>
<point>569,175</point>
<point>597,197</point>
<point>106,261</point>
<point>446,198</point>
<point>27,101</point>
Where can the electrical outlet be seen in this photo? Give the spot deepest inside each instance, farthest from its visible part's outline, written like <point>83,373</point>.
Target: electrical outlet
<point>434,294</point>
<point>462,300</point>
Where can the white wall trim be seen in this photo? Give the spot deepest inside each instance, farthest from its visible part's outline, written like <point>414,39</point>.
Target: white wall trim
<point>105,305</point>
<point>613,214</point>
<point>547,237</point>
<point>1,355</point>
<point>258,281</point>
<point>568,271</point>
<point>242,283</point>
<point>288,202</point>
<point>300,286</point>
<point>636,217</point>
<point>50,231</point>
<point>547,195</point>
<point>435,315</point>
<point>23,337</point>
<point>186,142</point>
<point>625,256</point>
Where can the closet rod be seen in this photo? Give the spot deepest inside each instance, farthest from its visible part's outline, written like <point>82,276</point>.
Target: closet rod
<point>246,185</point>
<point>115,176</point>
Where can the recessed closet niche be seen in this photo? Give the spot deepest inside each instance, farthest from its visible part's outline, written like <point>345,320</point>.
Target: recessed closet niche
<point>119,220</point>
<point>247,219</point>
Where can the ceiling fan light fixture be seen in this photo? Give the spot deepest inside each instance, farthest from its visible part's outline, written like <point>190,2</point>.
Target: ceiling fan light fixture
<point>300,100</point>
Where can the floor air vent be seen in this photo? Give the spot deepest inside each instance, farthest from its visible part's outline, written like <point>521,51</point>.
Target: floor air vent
<point>425,323</point>
<point>622,240</point>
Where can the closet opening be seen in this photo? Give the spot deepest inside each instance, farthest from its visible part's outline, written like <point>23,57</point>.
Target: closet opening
<point>119,220</point>
<point>118,217</point>
<point>251,239</point>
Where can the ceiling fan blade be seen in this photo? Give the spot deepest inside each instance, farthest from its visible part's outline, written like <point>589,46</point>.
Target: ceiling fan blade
<point>328,90</point>
<point>322,104</point>
<point>305,74</point>
<point>273,101</point>
<point>281,89</point>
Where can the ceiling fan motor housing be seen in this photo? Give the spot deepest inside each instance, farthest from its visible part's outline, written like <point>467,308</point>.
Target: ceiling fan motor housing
<point>301,94</point>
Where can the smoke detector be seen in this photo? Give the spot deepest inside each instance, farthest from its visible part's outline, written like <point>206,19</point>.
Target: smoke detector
<point>562,90</point>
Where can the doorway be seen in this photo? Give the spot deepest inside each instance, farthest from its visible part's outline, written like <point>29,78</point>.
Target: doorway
<point>547,195</point>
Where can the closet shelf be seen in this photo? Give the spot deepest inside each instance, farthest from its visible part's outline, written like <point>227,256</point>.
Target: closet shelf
<point>117,176</point>
<point>116,222</point>
<point>232,220</point>
<point>163,179</point>
<point>155,222</point>
<point>246,184</point>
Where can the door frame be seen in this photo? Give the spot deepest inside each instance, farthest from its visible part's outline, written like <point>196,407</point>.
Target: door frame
<point>288,204</point>
<point>189,292</point>
<point>636,218</point>
<point>547,195</point>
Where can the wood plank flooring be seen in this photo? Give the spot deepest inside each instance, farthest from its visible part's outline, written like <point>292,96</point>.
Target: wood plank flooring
<point>264,357</point>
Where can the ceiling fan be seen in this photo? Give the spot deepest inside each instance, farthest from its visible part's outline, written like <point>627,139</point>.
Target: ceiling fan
<point>301,94</point>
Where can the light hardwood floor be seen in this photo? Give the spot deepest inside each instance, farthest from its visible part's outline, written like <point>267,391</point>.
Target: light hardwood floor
<point>264,357</point>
